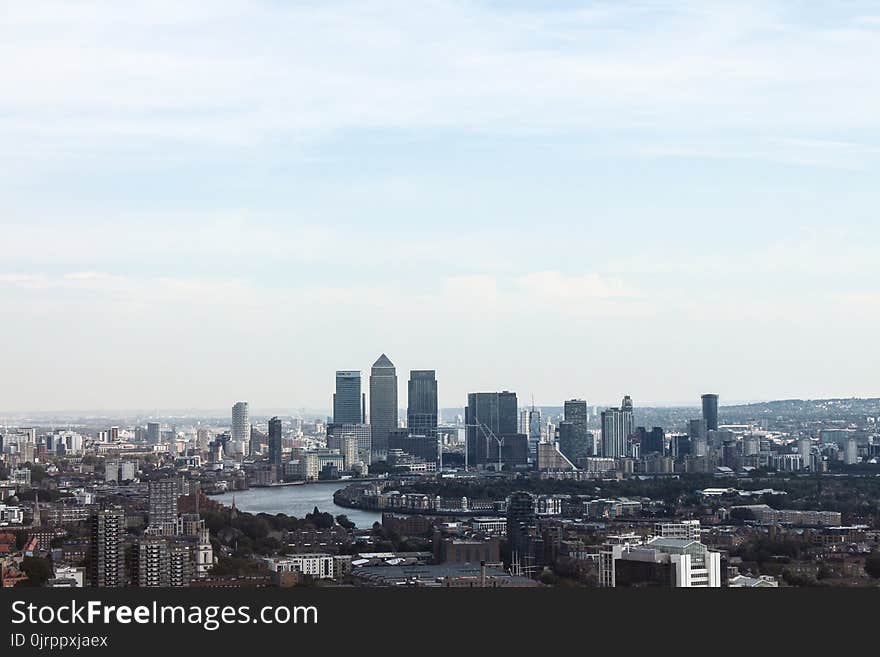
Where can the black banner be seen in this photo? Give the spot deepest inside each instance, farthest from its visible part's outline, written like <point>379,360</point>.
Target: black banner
<point>230,621</point>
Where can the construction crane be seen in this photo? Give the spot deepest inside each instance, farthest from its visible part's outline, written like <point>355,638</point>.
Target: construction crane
<point>489,435</point>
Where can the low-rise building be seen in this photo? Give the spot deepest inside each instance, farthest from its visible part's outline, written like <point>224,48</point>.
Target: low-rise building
<point>319,565</point>
<point>11,515</point>
<point>672,562</point>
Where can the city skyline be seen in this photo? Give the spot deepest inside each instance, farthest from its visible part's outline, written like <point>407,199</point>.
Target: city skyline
<point>647,198</point>
<point>342,309</point>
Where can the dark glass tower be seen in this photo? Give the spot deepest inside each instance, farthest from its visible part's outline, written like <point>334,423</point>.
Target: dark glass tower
<point>275,443</point>
<point>347,401</point>
<point>520,519</point>
<point>383,404</point>
<point>421,409</point>
<point>710,411</point>
<point>498,412</point>
<point>154,437</point>
<point>573,432</point>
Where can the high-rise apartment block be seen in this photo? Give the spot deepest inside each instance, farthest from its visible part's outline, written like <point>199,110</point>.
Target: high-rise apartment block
<point>241,428</point>
<point>163,499</point>
<point>107,548</point>
<point>617,426</point>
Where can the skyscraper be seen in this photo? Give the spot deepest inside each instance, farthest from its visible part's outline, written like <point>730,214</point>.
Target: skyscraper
<point>241,427</point>
<point>520,520</point>
<point>153,435</point>
<point>710,411</point>
<point>851,452</point>
<point>805,448</point>
<point>573,432</point>
<point>530,425</point>
<point>107,548</point>
<point>348,400</point>
<point>164,495</point>
<point>497,412</point>
<point>383,403</point>
<point>617,425</point>
<point>421,409</point>
<point>275,444</point>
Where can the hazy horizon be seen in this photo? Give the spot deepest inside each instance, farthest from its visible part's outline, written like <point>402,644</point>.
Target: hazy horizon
<point>233,200</point>
<point>267,411</point>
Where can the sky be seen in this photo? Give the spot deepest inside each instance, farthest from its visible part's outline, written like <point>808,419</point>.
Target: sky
<point>207,202</point>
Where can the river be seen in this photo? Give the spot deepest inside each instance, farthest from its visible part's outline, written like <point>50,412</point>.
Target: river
<point>297,501</point>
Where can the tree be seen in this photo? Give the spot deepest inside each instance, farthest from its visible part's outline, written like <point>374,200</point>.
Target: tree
<point>549,577</point>
<point>872,564</point>
<point>238,567</point>
<point>320,520</point>
<point>343,521</point>
<point>38,570</point>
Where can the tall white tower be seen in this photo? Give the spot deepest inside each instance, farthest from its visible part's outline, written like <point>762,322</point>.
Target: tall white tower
<point>241,427</point>
<point>805,447</point>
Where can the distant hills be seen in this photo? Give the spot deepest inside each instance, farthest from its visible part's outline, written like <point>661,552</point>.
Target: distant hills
<point>669,417</point>
<point>805,409</point>
<point>676,417</point>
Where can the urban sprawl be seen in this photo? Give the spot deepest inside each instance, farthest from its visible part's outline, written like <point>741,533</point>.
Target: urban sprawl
<point>496,494</point>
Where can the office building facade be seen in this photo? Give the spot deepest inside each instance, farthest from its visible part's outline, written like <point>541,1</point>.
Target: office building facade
<point>489,413</point>
<point>661,562</point>
<point>421,405</point>
<point>573,433</point>
<point>153,435</point>
<point>348,403</point>
<point>710,411</point>
<point>383,404</point>
<point>275,443</point>
<point>423,447</point>
<point>336,434</point>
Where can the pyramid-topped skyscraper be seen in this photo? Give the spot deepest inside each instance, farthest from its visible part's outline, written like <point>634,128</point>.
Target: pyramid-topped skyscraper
<point>383,404</point>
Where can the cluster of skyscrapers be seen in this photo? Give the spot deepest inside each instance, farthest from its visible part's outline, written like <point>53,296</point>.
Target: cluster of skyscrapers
<point>378,431</point>
<point>497,434</point>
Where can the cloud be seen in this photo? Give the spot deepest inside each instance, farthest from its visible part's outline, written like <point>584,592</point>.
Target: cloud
<point>827,253</point>
<point>243,74</point>
<point>232,188</point>
<point>474,289</point>
<point>168,342</point>
<point>561,290</point>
